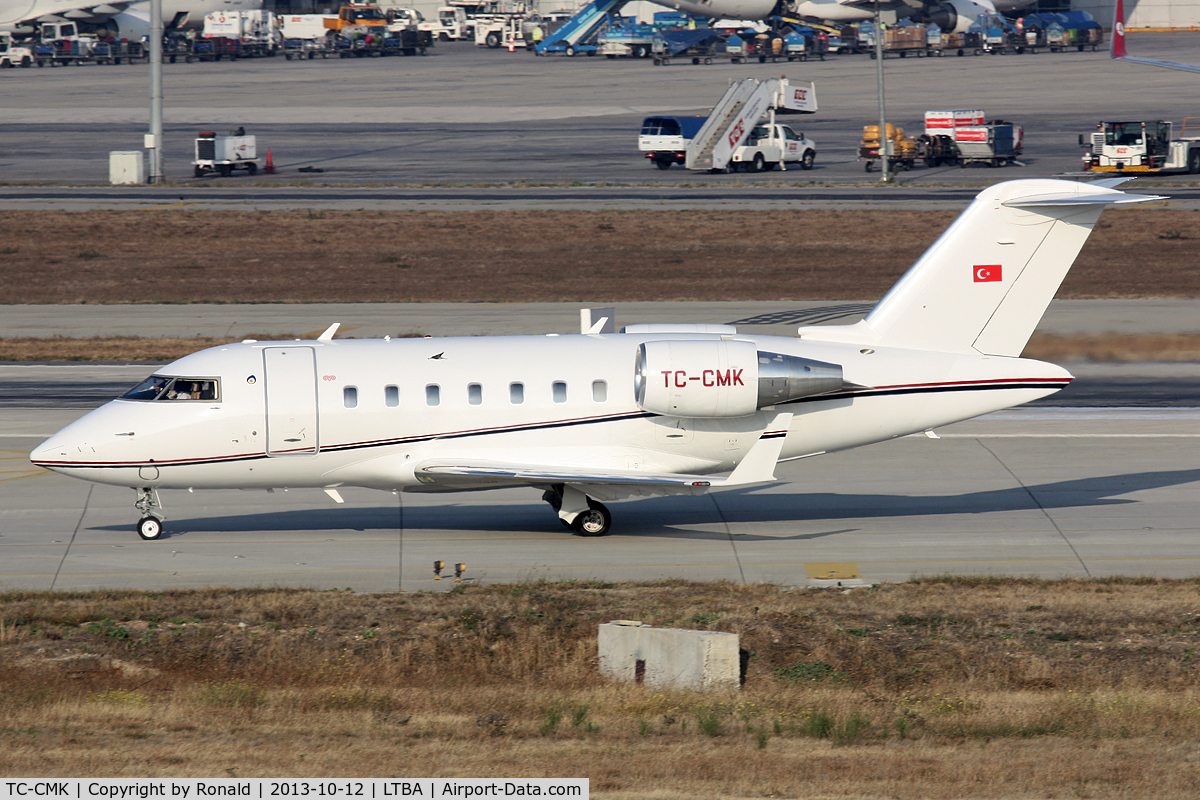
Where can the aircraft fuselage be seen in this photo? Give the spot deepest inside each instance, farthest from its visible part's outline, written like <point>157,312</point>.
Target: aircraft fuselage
<point>366,412</point>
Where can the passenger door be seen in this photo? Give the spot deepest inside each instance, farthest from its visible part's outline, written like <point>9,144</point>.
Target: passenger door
<point>291,392</point>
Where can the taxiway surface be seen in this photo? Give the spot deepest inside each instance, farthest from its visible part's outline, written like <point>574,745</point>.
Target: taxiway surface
<point>1039,492</point>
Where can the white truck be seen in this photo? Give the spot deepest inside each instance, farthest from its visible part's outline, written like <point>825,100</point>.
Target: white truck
<point>223,154</point>
<point>502,31</point>
<point>403,19</point>
<point>11,55</point>
<point>1142,147</point>
<point>772,144</point>
<point>451,24</point>
<point>256,30</point>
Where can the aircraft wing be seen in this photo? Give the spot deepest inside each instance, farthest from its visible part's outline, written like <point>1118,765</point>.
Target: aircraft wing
<point>465,473</point>
<point>756,467</point>
<point>1118,47</point>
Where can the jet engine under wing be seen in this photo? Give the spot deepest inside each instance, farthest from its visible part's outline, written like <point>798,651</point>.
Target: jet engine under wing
<point>757,466</point>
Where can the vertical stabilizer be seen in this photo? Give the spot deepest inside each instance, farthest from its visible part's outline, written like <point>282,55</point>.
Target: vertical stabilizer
<point>985,283</point>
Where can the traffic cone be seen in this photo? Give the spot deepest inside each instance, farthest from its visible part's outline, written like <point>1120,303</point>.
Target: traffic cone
<point>511,48</point>
<point>270,170</point>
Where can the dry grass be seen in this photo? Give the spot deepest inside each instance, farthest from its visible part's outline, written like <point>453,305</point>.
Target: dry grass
<point>943,688</point>
<point>184,256</point>
<point>1046,347</point>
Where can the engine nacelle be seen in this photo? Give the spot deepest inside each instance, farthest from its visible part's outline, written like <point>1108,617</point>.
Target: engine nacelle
<point>724,378</point>
<point>956,16</point>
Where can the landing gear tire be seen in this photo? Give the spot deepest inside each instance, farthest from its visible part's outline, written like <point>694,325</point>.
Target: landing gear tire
<point>150,528</point>
<point>594,522</point>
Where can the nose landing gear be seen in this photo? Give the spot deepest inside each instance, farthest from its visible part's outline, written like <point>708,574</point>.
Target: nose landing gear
<point>150,526</point>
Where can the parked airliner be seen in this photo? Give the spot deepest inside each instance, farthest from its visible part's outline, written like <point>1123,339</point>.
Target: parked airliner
<point>1119,52</point>
<point>130,20</point>
<point>655,409</point>
<point>952,16</point>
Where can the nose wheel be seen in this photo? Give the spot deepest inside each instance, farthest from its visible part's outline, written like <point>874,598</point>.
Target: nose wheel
<point>150,526</point>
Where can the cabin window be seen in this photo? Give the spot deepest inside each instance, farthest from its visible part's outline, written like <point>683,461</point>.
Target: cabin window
<point>516,393</point>
<point>560,391</point>
<point>391,396</point>
<point>600,391</point>
<point>474,394</point>
<point>433,395</point>
<point>165,387</point>
<point>350,396</point>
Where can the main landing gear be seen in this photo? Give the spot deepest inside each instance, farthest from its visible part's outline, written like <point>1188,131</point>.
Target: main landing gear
<point>150,526</point>
<point>577,511</point>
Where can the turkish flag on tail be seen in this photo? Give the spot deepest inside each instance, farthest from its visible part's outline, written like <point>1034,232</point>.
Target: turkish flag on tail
<point>987,273</point>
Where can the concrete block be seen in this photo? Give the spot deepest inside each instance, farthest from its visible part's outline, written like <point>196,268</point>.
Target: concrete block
<point>126,167</point>
<point>669,658</point>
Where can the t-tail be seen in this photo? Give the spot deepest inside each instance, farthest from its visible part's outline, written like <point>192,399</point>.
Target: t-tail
<point>983,286</point>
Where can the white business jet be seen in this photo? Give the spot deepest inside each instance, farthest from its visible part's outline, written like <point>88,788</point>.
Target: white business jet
<point>656,409</point>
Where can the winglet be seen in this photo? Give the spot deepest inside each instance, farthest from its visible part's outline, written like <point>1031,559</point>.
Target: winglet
<point>329,332</point>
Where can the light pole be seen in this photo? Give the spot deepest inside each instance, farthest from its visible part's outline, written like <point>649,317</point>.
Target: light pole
<point>154,138</point>
<point>883,142</point>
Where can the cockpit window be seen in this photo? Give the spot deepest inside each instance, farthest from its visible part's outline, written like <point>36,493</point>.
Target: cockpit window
<point>164,387</point>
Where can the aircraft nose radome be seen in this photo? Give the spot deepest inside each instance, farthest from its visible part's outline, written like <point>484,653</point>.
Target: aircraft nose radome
<point>53,449</point>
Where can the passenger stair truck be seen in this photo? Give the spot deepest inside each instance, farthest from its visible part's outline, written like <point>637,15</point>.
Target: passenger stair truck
<point>736,115</point>
<point>1142,147</point>
<point>579,33</point>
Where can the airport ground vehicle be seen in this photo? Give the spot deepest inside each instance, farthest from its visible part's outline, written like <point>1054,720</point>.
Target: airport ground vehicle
<point>451,24</point>
<point>357,16</point>
<point>996,143</point>
<point>902,151</point>
<point>223,154</point>
<point>11,55</point>
<point>773,144</point>
<point>1141,146</point>
<point>741,133</point>
<point>500,32</point>
<point>740,111</point>
<point>664,140</point>
<point>305,35</point>
<point>255,31</point>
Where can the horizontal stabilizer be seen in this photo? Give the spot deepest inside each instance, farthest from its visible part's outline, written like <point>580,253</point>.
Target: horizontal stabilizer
<point>1082,199</point>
